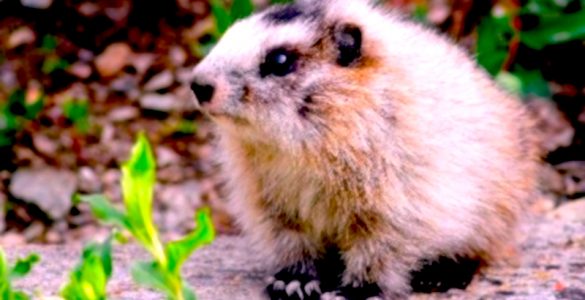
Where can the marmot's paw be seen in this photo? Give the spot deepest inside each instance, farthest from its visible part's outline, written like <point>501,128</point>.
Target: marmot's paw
<point>443,274</point>
<point>291,284</point>
<point>369,291</point>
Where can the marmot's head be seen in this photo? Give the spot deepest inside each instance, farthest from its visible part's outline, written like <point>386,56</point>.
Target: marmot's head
<point>294,73</point>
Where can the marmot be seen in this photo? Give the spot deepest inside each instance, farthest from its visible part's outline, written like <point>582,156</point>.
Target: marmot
<point>360,148</point>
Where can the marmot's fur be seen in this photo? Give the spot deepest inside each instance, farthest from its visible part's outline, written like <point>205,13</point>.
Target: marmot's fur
<point>358,141</point>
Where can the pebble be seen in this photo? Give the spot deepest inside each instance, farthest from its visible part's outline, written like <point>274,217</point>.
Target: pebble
<point>89,182</point>
<point>39,4</point>
<point>142,61</point>
<point>113,59</point>
<point>123,114</point>
<point>44,145</point>
<point>178,56</point>
<point>80,70</point>
<point>573,211</point>
<point>160,81</point>
<point>166,156</point>
<point>20,36</point>
<point>158,102</point>
<point>50,189</point>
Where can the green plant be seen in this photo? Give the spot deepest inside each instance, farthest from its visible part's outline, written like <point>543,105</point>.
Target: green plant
<point>535,24</point>
<point>77,111</point>
<point>10,273</point>
<point>225,17</point>
<point>163,272</point>
<point>15,112</point>
<point>88,279</point>
<point>52,61</point>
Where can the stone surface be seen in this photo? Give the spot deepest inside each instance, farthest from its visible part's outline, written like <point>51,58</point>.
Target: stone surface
<point>552,266</point>
<point>113,59</point>
<point>48,188</point>
<point>40,4</point>
<point>158,102</point>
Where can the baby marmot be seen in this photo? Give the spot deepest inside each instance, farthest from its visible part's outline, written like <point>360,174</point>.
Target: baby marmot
<point>361,148</point>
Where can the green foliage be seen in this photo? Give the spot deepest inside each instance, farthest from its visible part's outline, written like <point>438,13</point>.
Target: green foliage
<point>499,36</point>
<point>9,273</point>
<point>225,17</point>
<point>89,278</point>
<point>77,111</point>
<point>14,113</point>
<point>138,180</point>
<point>52,62</point>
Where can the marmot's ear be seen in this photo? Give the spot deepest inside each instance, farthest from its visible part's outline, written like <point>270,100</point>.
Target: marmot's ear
<point>348,40</point>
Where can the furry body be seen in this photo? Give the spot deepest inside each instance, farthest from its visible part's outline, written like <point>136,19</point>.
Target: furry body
<point>406,151</point>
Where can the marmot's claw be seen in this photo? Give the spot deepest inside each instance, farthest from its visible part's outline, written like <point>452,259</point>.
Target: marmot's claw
<point>288,284</point>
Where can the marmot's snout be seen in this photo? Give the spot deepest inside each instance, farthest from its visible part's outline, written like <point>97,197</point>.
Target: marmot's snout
<point>203,90</point>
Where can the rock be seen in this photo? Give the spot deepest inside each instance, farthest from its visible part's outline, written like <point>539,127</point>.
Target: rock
<point>8,77</point>
<point>166,156</point>
<point>45,145</point>
<point>160,81</point>
<point>89,181</point>
<point>158,102</point>
<point>50,189</point>
<point>21,36</point>
<point>123,114</point>
<point>573,211</point>
<point>80,70</point>
<point>12,239</point>
<point>573,173</point>
<point>178,56</point>
<point>124,84</point>
<point>118,13</point>
<point>40,4</point>
<point>85,55</point>
<point>142,61</point>
<point>88,9</point>
<point>113,59</point>
<point>34,231</point>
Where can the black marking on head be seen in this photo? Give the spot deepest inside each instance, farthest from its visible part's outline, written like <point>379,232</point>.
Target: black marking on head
<point>284,14</point>
<point>304,111</point>
<point>308,99</point>
<point>348,40</point>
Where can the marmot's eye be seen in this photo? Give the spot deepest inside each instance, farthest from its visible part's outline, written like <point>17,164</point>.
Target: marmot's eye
<point>278,62</point>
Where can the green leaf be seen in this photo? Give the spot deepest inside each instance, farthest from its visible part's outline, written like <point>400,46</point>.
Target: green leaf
<point>532,82</point>
<point>49,43</point>
<point>23,266</point>
<point>89,278</point>
<point>152,275</point>
<point>178,251</point>
<point>492,42</point>
<point>53,63</point>
<point>77,111</point>
<point>7,274</point>
<point>509,82</point>
<point>221,16</point>
<point>188,293</point>
<point>105,211</point>
<point>555,29</point>
<point>241,9</point>
<point>138,179</point>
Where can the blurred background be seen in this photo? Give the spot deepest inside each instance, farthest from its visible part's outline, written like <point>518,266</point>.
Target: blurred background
<point>79,79</point>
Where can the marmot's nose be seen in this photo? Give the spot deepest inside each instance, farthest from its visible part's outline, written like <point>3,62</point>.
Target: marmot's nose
<point>203,91</point>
